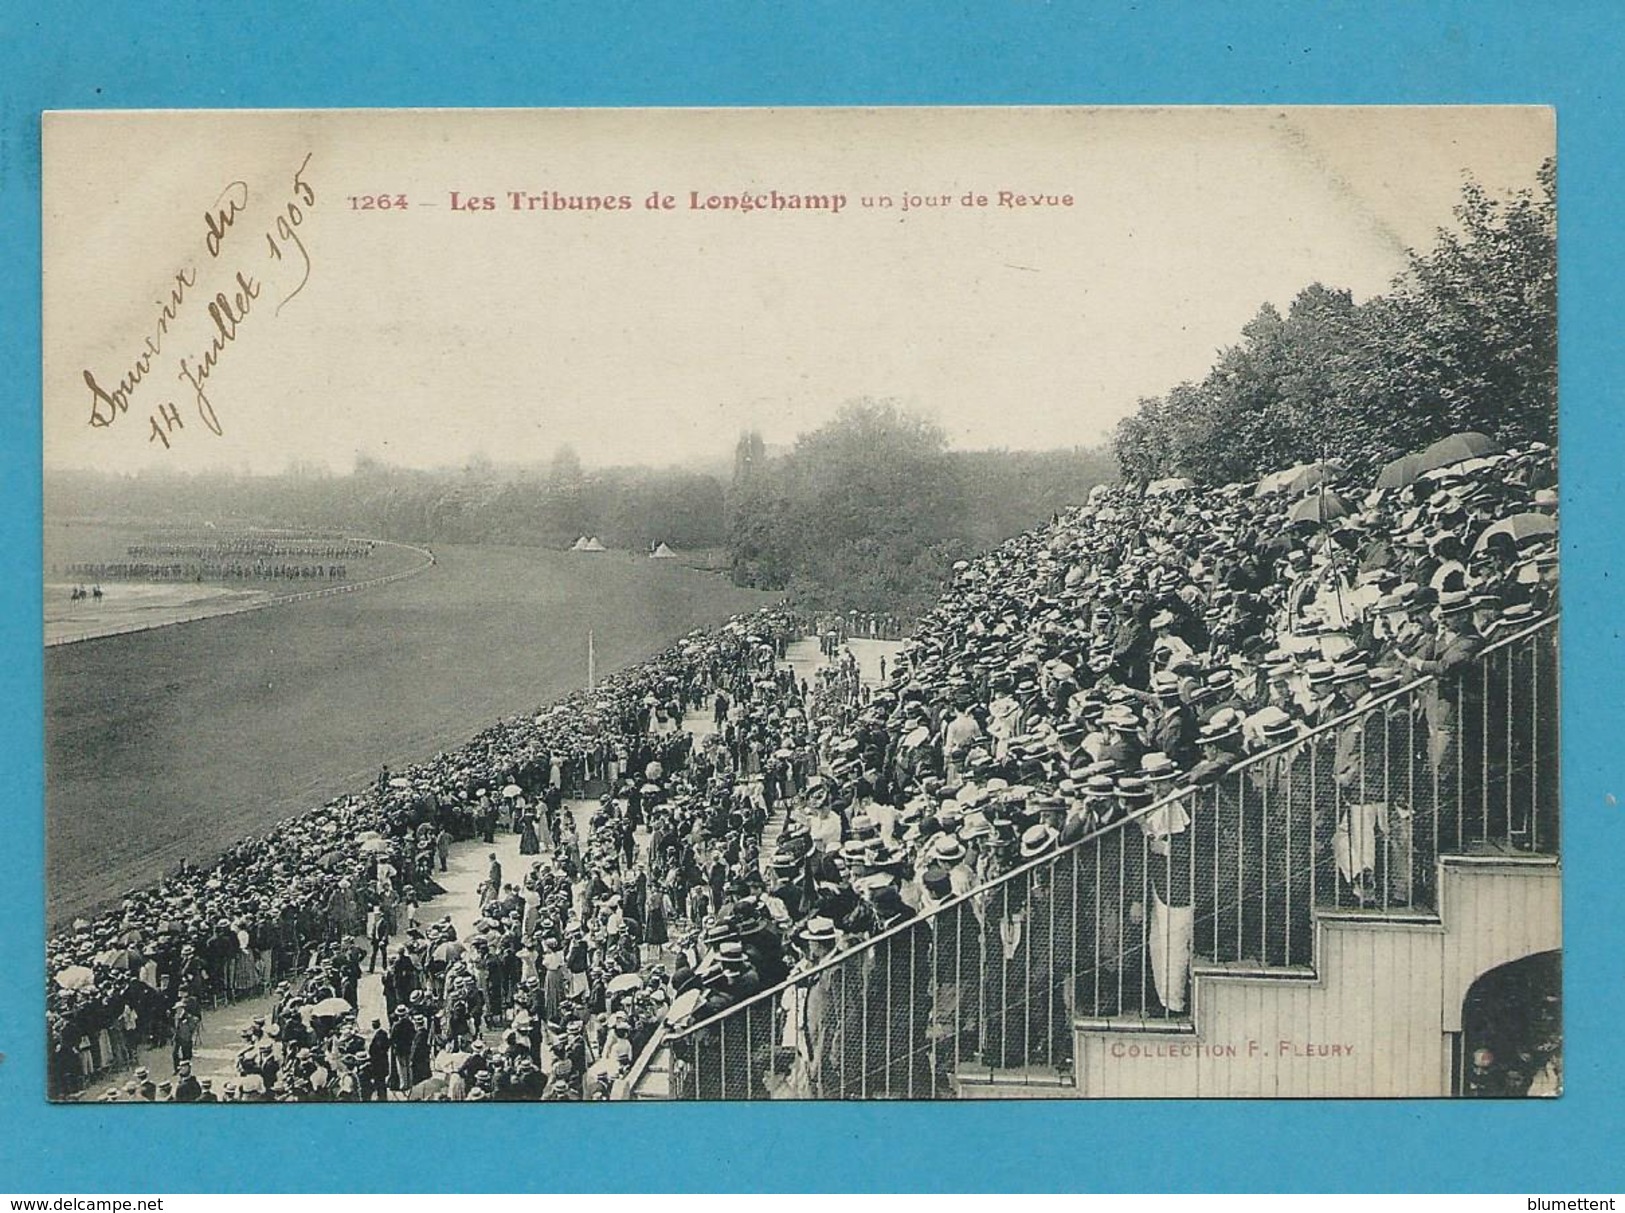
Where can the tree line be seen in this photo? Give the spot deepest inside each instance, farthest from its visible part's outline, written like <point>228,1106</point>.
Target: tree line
<point>1465,339</point>
<point>869,511</point>
<point>551,506</point>
<point>864,513</point>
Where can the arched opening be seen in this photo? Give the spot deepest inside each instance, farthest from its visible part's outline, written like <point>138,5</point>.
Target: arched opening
<point>1511,1041</point>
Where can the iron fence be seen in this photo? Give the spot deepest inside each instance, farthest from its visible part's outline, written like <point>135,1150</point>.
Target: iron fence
<point>1350,816</point>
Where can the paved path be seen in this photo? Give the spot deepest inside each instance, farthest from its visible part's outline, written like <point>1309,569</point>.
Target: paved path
<point>215,1054</point>
<point>805,658</point>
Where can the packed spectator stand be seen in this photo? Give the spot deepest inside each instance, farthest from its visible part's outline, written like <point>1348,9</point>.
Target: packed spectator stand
<point>1166,730</point>
<point>1099,724</point>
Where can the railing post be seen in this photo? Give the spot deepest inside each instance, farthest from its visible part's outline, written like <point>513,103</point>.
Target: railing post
<point>1484,745</point>
<point>885,958</point>
<point>1281,770</point>
<point>1190,980</point>
<point>959,984</point>
<point>1122,926</point>
<point>1071,1002</point>
<point>1094,935</point>
<point>1510,749</point>
<point>1534,743</point>
<point>750,1062</point>
<point>1050,967</point>
<point>1313,841</point>
<point>863,1031</point>
<point>1457,737</point>
<point>1149,927</point>
<point>1264,882</point>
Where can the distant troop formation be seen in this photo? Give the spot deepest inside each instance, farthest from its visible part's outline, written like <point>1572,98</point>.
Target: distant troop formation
<point>227,558</point>
<point>255,550</point>
<point>190,570</point>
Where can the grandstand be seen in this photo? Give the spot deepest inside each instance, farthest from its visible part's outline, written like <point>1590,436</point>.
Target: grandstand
<point>1275,812</point>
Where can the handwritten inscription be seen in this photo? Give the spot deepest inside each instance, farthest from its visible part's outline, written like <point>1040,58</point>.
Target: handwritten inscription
<point>227,315</point>
<point>222,308</point>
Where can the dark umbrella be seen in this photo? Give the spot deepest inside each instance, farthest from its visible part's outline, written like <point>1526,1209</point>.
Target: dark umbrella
<point>1320,508</point>
<point>1379,556</point>
<point>1520,528</point>
<point>1399,473</point>
<point>1313,476</point>
<point>128,959</point>
<point>1276,482</point>
<point>1458,448</point>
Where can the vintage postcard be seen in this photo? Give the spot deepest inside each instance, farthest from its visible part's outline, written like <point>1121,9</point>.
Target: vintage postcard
<point>801,604</point>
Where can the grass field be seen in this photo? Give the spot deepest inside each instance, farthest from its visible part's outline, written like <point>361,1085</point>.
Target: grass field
<point>174,743</point>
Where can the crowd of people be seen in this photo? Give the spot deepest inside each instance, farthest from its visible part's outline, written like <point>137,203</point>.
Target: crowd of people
<point>292,912</point>
<point>268,557</point>
<point>1066,681</point>
<point>835,629</point>
<point>1095,670</point>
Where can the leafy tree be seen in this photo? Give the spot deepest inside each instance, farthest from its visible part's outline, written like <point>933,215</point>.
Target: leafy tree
<point>1480,311</point>
<point>849,513</point>
<point>1466,339</point>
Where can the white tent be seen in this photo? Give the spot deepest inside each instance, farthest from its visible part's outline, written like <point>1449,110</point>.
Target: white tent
<point>663,553</point>
<point>592,545</point>
<point>580,545</point>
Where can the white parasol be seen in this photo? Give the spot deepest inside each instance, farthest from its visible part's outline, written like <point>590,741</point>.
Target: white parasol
<point>448,1063</point>
<point>75,977</point>
<point>684,1005</point>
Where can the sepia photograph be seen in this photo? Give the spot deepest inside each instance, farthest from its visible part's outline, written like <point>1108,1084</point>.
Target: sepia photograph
<point>916,604</point>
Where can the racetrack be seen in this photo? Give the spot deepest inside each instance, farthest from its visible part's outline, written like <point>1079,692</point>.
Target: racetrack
<point>174,743</point>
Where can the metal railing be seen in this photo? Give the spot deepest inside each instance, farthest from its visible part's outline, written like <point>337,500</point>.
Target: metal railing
<point>1351,816</point>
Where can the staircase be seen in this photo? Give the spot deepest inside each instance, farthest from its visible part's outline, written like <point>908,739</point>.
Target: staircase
<point>1373,1017</point>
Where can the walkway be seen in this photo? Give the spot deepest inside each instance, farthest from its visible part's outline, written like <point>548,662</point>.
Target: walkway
<point>805,658</point>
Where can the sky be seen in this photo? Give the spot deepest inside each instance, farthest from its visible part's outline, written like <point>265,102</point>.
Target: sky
<point>430,334</point>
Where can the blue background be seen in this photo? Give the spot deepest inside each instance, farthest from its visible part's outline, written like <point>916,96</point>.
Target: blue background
<point>381,54</point>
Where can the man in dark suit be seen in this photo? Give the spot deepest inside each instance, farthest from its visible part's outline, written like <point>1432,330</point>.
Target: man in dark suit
<point>402,1038</point>
<point>375,1076</point>
<point>187,1088</point>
